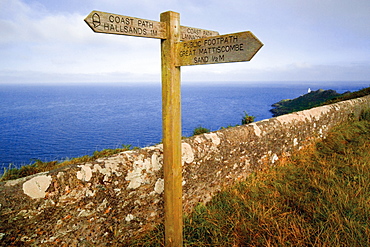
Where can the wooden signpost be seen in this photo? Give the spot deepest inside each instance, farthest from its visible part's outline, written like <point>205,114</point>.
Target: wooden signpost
<point>180,46</point>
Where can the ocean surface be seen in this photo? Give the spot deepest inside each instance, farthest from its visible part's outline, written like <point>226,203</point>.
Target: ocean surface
<point>57,122</point>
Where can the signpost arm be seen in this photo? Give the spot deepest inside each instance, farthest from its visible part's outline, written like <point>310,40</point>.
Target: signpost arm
<point>171,124</point>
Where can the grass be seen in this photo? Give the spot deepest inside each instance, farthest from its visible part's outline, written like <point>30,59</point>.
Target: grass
<point>40,166</point>
<point>200,130</point>
<point>347,96</point>
<point>246,119</point>
<point>320,196</point>
<point>314,99</point>
<point>306,101</point>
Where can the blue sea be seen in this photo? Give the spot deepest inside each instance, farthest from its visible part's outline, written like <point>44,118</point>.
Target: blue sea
<point>58,122</point>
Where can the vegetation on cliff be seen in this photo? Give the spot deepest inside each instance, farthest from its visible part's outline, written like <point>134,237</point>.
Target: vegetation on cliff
<point>317,197</point>
<point>314,99</point>
<point>347,96</point>
<point>307,101</point>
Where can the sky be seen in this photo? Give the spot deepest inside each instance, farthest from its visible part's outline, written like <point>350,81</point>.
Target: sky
<point>47,41</point>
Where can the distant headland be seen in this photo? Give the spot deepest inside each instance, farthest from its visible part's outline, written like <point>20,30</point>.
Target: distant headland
<point>306,101</point>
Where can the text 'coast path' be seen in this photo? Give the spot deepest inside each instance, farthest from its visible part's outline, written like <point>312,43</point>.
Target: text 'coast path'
<point>102,22</point>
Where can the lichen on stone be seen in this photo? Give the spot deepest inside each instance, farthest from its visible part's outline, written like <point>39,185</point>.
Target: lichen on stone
<point>37,186</point>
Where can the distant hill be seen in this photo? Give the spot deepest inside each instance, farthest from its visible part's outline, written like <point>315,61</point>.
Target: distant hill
<point>307,101</point>
<point>348,95</point>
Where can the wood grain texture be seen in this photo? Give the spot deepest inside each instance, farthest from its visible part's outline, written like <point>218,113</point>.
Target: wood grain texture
<point>171,117</point>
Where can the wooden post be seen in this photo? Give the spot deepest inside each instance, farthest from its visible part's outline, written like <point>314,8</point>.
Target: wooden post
<point>171,124</point>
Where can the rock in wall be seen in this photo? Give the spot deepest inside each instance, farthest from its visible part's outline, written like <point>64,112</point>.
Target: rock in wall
<point>107,201</point>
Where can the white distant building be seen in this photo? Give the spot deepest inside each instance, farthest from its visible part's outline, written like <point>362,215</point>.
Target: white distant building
<point>309,90</point>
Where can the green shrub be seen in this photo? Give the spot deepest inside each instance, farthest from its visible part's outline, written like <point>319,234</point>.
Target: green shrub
<point>247,119</point>
<point>200,130</point>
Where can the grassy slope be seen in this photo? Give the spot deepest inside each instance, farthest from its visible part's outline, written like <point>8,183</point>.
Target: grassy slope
<point>314,99</point>
<point>309,100</point>
<point>347,96</point>
<point>318,197</point>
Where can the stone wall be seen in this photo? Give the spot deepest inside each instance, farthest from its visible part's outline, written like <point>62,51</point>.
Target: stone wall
<point>112,199</point>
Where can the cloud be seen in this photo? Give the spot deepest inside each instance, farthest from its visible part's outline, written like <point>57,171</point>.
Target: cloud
<point>42,40</point>
<point>63,43</point>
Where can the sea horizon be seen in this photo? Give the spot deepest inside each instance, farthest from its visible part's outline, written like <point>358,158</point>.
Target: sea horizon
<point>61,121</point>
